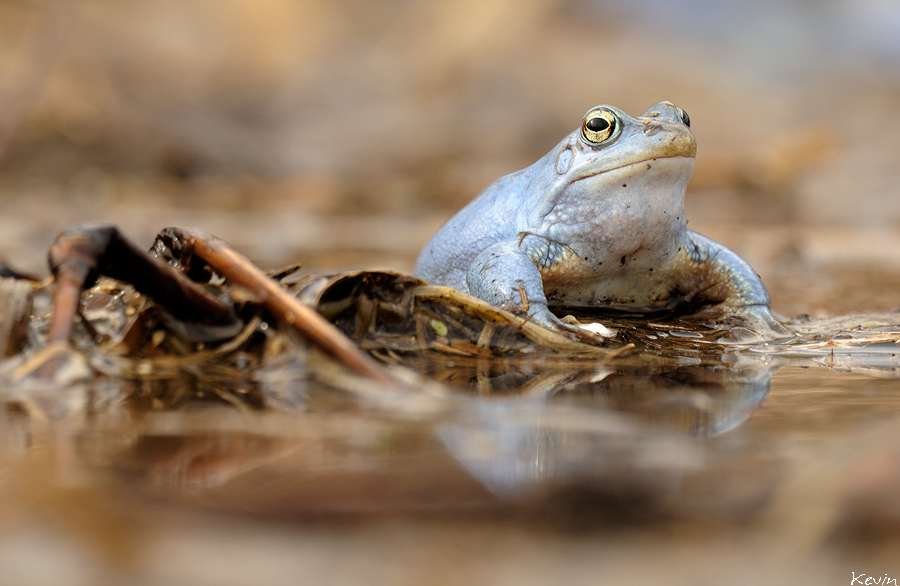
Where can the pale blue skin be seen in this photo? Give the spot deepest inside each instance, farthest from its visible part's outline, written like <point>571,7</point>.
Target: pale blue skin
<point>595,225</point>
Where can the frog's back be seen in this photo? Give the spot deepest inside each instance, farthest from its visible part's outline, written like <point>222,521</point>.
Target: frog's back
<point>489,218</point>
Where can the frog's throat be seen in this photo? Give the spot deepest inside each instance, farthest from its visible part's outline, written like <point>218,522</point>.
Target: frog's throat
<point>550,197</point>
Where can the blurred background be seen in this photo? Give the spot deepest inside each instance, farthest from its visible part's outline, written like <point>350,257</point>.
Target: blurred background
<point>343,134</point>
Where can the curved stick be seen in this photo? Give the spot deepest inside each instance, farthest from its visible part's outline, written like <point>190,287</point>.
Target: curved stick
<point>187,242</point>
<point>81,254</point>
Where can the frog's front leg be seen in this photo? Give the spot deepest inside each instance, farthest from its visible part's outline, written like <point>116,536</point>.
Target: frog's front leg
<point>506,275</point>
<point>731,283</point>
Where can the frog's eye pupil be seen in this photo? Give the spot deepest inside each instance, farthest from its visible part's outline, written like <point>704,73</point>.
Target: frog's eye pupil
<point>685,118</point>
<point>597,124</point>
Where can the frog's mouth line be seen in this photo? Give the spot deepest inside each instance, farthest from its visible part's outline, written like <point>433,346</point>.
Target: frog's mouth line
<point>641,162</point>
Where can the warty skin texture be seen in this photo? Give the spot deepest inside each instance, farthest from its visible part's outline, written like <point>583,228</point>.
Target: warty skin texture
<point>595,225</point>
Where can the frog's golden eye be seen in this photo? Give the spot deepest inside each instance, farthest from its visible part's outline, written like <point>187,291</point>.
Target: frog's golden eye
<point>598,126</point>
<point>683,116</point>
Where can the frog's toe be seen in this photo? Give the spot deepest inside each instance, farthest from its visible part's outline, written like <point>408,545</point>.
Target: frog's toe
<point>569,326</point>
<point>755,323</point>
<point>593,327</point>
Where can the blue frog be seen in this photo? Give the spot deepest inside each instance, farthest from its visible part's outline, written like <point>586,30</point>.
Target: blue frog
<point>596,222</point>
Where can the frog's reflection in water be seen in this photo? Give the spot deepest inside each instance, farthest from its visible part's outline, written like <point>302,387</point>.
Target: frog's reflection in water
<point>565,427</point>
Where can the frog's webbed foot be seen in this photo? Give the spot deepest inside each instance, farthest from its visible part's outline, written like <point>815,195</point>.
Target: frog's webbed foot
<point>569,326</point>
<point>748,324</point>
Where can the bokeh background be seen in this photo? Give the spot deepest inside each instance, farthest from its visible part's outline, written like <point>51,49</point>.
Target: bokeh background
<point>342,134</point>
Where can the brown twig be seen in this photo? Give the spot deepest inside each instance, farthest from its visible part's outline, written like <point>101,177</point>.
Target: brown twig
<point>81,254</point>
<point>236,268</point>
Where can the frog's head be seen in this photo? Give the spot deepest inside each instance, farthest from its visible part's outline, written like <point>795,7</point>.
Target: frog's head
<point>611,140</point>
<point>628,170</point>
